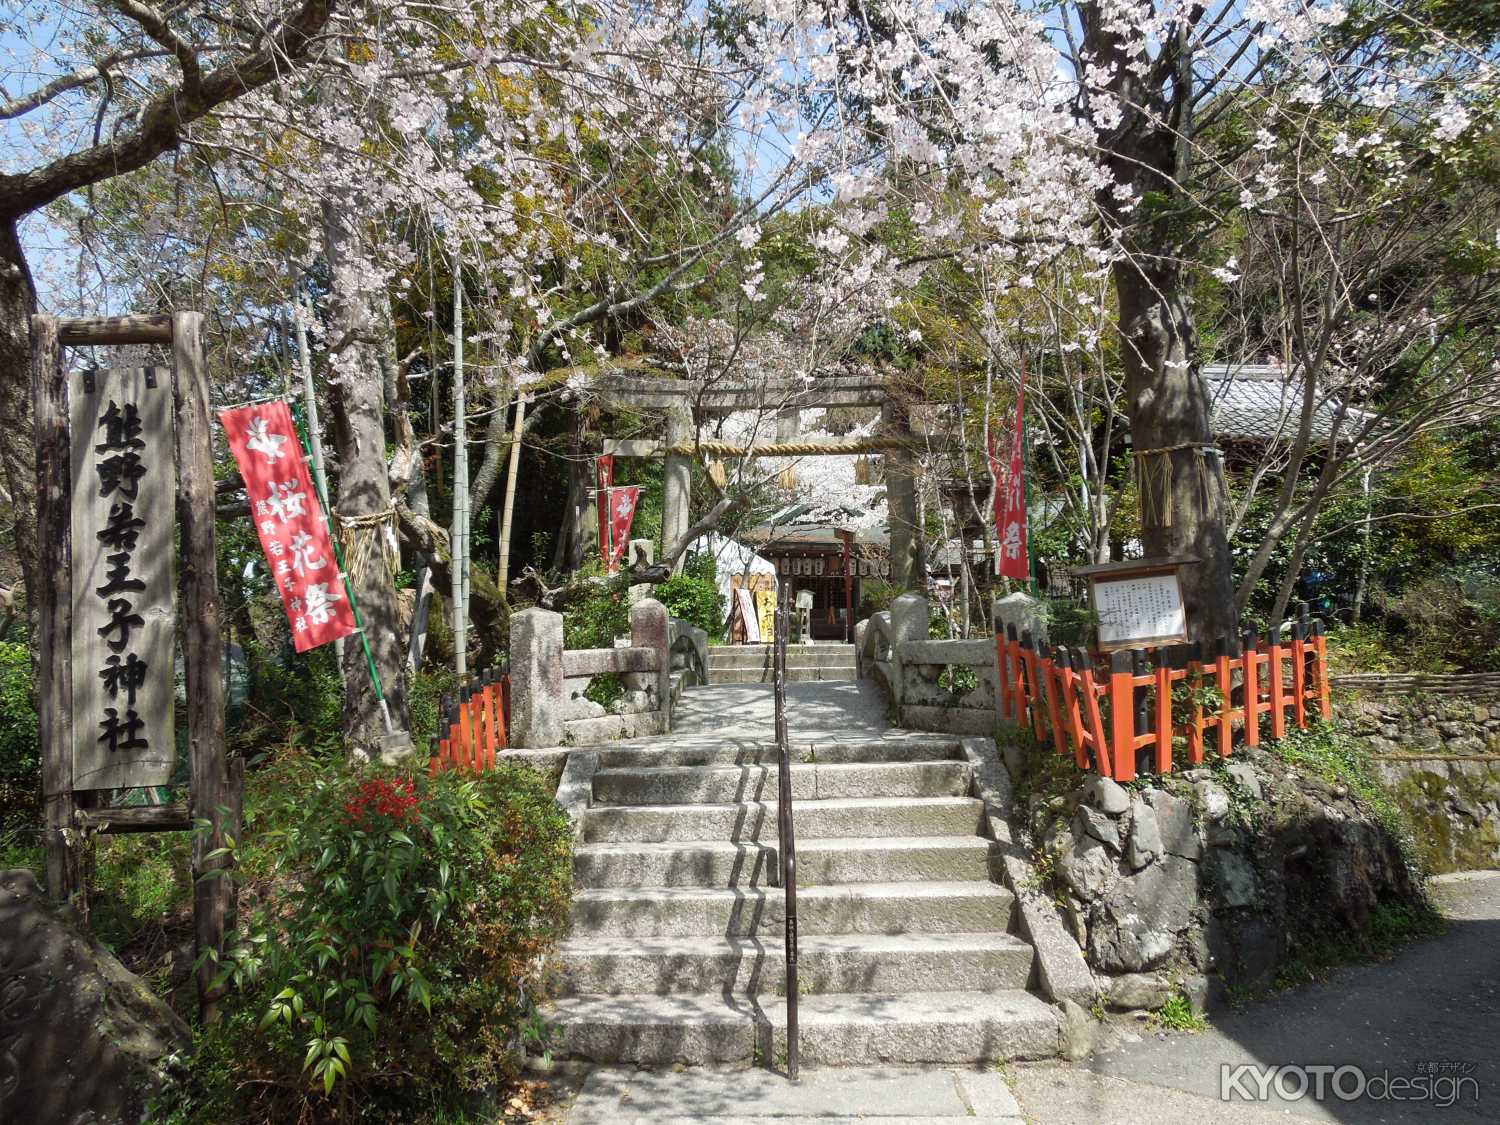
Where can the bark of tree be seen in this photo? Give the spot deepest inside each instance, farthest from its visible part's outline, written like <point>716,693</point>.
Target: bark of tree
<point>17,449</point>
<point>364,493</point>
<point>1168,407</point>
<point>1149,151</point>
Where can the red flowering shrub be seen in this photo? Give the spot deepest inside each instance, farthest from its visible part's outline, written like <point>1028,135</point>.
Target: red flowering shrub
<point>395,800</point>
<point>398,953</point>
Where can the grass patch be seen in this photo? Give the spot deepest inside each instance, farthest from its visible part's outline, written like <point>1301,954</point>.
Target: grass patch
<point>1178,1014</point>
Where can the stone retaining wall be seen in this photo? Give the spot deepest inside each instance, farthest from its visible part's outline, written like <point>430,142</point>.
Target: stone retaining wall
<point>1440,757</point>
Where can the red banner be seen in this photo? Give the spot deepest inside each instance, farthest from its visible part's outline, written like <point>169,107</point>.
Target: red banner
<point>1010,498</point>
<point>293,531</point>
<point>620,504</point>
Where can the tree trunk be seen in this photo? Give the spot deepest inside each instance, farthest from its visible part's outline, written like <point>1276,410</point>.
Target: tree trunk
<point>17,450</point>
<point>1182,496</point>
<point>364,493</point>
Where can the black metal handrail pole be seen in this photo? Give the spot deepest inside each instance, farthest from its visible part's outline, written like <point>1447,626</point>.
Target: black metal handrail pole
<point>785,833</point>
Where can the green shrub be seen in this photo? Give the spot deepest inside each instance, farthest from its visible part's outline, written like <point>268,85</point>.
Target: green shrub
<point>695,600</point>
<point>876,596</point>
<point>596,620</point>
<point>20,757</point>
<point>393,958</point>
<point>20,753</point>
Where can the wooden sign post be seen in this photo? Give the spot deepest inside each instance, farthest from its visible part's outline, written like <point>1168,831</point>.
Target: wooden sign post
<point>107,443</point>
<point>1138,602</point>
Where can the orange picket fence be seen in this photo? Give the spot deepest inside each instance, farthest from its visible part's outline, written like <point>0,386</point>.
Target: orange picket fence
<point>472,725</point>
<point>1127,713</point>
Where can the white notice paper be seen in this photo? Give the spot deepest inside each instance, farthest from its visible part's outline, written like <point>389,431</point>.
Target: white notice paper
<point>1139,609</point>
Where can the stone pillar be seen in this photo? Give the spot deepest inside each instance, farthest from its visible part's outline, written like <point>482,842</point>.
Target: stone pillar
<point>536,679</point>
<point>650,627</point>
<point>677,484</point>
<point>909,622</point>
<point>788,423</point>
<point>901,501</point>
<point>1022,611</point>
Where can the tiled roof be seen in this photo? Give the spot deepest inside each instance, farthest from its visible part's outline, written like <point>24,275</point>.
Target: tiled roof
<point>1258,402</point>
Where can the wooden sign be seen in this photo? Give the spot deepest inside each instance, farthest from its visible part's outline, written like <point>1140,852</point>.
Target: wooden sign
<point>1138,602</point>
<point>124,486</point>
<point>766,603</point>
<point>744,603</point>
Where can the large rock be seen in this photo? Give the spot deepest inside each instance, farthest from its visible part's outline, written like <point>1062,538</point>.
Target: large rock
<point>1174,821</point>
<point>82,1040</point>
<point>1138,923</point>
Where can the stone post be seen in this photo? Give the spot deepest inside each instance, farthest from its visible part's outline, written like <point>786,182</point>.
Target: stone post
<point>536,679</point>
<point>909,622</point>
<point>650,628</point>
<point>1024,612</point>
<point>901,502</point>
<point>677,484</point>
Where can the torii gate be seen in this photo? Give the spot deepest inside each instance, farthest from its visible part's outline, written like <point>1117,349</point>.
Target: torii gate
<point>675,398</point>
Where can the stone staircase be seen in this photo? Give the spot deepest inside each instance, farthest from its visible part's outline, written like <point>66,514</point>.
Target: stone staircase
<point>906,950</point>
<point>751,664</point>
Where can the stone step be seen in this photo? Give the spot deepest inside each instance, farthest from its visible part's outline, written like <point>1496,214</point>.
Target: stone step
<point>826,963</point>
<point>791,649</point>
<point>685,785</point>
<point>756,820</point>
<point>855,908</point>
<point>815,658</point>
<point>918,749</point>
<point>836,1028</point>
<point>793,675</point>
<point>845,1029</point>
<point>716,863</point>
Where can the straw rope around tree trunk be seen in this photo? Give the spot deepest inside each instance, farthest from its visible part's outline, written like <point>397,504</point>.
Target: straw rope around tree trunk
<point>360,537</point>
<point>1153,474</point>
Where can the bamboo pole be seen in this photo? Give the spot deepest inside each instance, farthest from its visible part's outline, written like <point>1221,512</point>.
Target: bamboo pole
<point>460,529</point>
<point>314,428</point>
<point>513,470</point>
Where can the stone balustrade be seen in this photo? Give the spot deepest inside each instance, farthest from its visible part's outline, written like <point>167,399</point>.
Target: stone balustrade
<point>548,705</point>
<point>947,686</point>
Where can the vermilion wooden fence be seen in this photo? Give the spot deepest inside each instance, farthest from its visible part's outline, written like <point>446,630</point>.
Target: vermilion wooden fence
<point>1116,716</point>
<point>471,728</point>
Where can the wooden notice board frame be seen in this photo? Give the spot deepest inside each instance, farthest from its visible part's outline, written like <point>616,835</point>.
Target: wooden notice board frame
<point>1106,573</point>
<point>214,782</point>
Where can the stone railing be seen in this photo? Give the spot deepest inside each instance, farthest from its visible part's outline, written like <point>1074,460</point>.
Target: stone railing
<point>689,654</point>
<point>947,686</point>
<point>548,705</point>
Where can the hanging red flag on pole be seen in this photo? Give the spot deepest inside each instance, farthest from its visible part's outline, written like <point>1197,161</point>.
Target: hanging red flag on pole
<point>293,530</point>
<point>1010,498</point>
<point>620,504</point>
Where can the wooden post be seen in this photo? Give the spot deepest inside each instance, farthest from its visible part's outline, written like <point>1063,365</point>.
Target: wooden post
<point>54,521</point>
<point>1163,713</point>
<point>1122,713</point>
<point>1140,670</point>
<point>1049,681</point>
<point>1299,674</point>
<point>1226,696</point>
<point>1278,687</point>
<point>1320,663</point>
<point>1091,713</point>
<point>1251,662</point>
<point>213,798</point>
